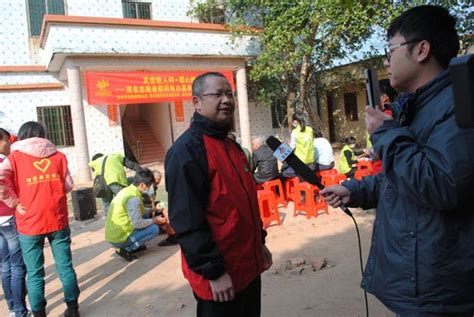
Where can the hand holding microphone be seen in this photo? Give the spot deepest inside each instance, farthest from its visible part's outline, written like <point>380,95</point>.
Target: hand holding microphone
<point>336,195</point>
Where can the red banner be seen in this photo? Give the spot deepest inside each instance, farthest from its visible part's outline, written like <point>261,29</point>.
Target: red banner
<point>179,111</point>
<point>141,87</point>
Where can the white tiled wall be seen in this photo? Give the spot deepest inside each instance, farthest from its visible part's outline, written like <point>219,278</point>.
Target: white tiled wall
<point>14,47</point>
<point>102,8</point>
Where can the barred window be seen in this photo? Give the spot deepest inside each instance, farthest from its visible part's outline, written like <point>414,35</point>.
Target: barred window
<point>58,123</point>
<point>38,8</point>
<point>136,10</point>
<point>350,106</point>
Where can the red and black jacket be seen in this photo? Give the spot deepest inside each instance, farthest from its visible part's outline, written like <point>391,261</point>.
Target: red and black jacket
<point>213,207</point>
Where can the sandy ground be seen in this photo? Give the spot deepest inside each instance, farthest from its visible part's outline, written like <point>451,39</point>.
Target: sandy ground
<point>153,285</point>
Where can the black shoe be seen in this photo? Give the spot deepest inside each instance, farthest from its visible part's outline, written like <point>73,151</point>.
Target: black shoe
<point>139,249</point>
<point>171,240</point>
<point>124,254</point>
<point>72,309</point>
<point>39,313</point>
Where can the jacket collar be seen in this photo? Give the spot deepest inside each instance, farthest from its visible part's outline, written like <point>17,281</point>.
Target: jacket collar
<point>209,127</point>
<point>410,103</point>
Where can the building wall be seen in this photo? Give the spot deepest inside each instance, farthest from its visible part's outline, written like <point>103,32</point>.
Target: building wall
<point>163,10</point>
<point>14,47</point>
<point>180,127</point>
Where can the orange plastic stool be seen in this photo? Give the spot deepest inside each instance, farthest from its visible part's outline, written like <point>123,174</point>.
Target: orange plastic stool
<point>362,173</point>
<point>311,203</point>
<point>290,184</point>
<point>332,177</point>
<point>364,165</point>
<point>268,207</point>
<point>377,167</point>
<point>272,186</point>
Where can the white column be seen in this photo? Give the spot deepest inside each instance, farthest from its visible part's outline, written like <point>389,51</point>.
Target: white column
<point>83,173</point>
<point>243,102</point>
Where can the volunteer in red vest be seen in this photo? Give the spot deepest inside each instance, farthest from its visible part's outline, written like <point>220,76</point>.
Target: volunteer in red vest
<point>13,268</point>
<point>213,207</point>
<point>40,178</point>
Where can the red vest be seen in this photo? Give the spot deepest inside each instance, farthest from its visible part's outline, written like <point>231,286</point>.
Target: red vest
<point>233,216</point>
<point>4,209</point>
<point>39,184</point>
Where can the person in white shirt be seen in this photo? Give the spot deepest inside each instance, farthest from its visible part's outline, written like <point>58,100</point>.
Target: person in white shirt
<point>323,154</point>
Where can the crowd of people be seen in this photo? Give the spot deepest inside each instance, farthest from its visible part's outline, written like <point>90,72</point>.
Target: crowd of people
<point>421,262</point>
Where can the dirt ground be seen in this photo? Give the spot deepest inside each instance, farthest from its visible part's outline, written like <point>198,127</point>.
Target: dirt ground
<point>153,285</point>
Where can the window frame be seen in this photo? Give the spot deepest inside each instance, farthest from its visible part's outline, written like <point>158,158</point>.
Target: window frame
<point>138,2</point>
<point>65,134</point>
<point>351,111</point>
<point>42,20</point>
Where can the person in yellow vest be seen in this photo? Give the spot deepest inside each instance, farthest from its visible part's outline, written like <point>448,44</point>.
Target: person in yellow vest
<point>114,174</point>
<point>125,226</point>
<point>302,141</point>
<point>348,158</point>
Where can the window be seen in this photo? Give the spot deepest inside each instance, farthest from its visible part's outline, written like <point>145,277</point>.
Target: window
<point>38,8</point>
<point>58,124</point>
<point>136,10</point>
<point>279,112</point>
<point>350,106</point>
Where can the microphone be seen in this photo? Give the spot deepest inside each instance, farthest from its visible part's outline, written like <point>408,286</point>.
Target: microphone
<point>284,153</point>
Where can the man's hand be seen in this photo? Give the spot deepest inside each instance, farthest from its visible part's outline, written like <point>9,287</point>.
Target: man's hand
<point>20,209</point>
<point>222,288</point>
<point>374,118</point>
<point>267,258</point>
<point>160,220</point>
<point>336,195</point>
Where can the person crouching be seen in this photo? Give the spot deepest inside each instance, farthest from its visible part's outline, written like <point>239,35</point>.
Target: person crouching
<point>125,226</point>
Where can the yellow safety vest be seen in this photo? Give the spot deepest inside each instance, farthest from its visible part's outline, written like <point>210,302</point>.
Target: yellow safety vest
<point>114,170</point>
<point>344,166</point>
<point>304,144</point>
<point>118,226</point>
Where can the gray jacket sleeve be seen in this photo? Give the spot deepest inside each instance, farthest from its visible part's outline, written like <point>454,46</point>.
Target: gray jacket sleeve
<point>133,209</point>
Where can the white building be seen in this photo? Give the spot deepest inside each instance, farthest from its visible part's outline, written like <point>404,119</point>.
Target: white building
<point>53,54</point>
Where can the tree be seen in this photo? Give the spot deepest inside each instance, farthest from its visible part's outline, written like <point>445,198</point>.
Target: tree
<point>300,38</point>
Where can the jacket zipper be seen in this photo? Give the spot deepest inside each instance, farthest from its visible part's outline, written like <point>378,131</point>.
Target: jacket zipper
<point>248,198</point>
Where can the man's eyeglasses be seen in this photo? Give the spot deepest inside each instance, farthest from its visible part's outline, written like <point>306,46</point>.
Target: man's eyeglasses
<point>390,49</point>
<point>219,95</point>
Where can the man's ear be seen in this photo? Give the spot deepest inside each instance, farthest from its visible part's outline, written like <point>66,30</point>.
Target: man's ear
<point>422,51</point>
<point>196,103</point>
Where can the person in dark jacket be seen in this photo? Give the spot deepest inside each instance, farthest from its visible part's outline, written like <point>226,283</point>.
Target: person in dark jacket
<point>421,261</point>
<point>265,165</point>
<point>213,207</point>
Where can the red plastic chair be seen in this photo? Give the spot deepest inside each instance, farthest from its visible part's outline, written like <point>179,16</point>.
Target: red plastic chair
<point>276,187</point>
<point>268,208</point>
<point>311,202</point>
<point>290,184</point>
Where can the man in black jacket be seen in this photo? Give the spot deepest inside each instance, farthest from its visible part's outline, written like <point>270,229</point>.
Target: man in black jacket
<point>265,165</point>
<point>213,207</point>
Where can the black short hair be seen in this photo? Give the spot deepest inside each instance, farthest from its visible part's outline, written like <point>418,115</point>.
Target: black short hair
<point>431,23</point>
<point>31,129</point>
<point>200,81</point>
<point>145,175</point>
<point>386,88</point>
<point>4,134</point>
<point>299,116</point>
<point>317,133</point>
<point>349,140</point>
<point>96,156</point>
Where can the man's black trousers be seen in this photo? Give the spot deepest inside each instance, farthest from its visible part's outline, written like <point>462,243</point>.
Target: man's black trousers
<point>246,303</point>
